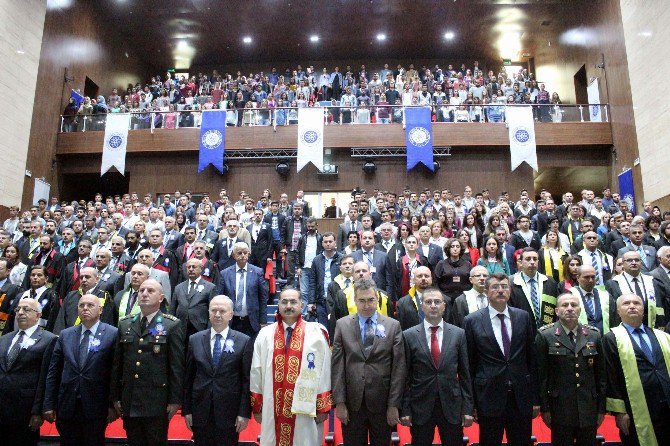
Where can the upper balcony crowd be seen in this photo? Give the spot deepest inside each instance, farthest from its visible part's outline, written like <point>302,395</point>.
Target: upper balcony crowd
<point>352,96</point>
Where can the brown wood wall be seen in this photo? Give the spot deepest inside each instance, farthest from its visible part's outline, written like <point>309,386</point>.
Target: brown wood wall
<point>77,40</point>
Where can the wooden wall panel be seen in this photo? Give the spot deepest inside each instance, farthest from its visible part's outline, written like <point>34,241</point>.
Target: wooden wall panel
<point>453,134</point>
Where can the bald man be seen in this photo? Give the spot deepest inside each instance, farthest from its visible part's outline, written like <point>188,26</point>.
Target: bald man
<point>68,315</point>
<point>410,312</point>
<point>77,387</point>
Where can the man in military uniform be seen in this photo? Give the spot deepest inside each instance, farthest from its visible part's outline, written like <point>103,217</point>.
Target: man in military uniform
<point>148,369</point>
<point>572,376</point>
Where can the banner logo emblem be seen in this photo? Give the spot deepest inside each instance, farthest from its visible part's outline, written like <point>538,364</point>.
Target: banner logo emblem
<point>212,139</point>
<point>419,136</point>
<point>595,110</point>
<point>310,137</point>
<point>115,141</point>
<point>521,135</point>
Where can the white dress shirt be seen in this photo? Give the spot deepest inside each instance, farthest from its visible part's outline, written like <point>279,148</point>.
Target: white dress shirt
<point>428,332</point>
<point>29,333</point>
<point>93,329</point>
<point>212,338</point>
<point>497,328</point>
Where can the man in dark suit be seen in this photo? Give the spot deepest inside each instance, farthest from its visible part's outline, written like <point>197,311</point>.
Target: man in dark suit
<point>409,309</point>
<point>223,249</point>
<point>9,294</point>
<point>294,228</point>
<point>190,301</point>
<point>533,292</point>
<point>647,253</point>
<point>438,391</point>
<point>47,298</point>
<point>164,259</point>
<point>73,269</point>
<point>572,376</point>
<point>148,369</point>
<point>623,229</point>
<point>524,237</point>
<point>543,217</point>
<point>217,404</point>
<point>205,232</point>
<point>635,353</point>
<point>185,250</point>
<point>53,262</point>
<point>68,315</point>
<point>503,367</point>
<point>24,363</point>
<point>261,241</point>
<point>67,245</point>
<point>345,228</point>
<point>247,287</point>
<point>300,195</point>
<point>110,280</point>
<point>400,270</point>
<point>210,272</point>
<point>126,302</point>
<point>367,345</point>
<point>661,281</point>
<point>276,221</point>
<point>172,239</point>
<point>376,259</point>
<point>77,386</point>
<point>430,251</point>
<point>471,300</point>
<point>327,261</point>
<point>507,249</point>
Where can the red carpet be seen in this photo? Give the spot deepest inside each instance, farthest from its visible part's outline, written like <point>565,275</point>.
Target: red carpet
<point>179,431</point>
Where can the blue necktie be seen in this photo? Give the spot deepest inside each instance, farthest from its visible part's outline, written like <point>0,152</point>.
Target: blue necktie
<point>239,298</point>
<point>594,263</point>
<point>289,333</point>
<point>83,348</point>
<point>216,355</point>
<point>590,308</point>
<point>646,349</point>
<point>534,299</point>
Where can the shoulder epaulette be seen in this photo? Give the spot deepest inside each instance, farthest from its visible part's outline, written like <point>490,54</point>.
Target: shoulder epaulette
<point>546,327</point>
<point>127,316</point>
<point>171,317</point>
<point>591,327</point>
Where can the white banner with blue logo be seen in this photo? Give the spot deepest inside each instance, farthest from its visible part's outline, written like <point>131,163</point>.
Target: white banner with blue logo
<point>419,137</point>
<point>521,127</point>
<point>116,140</point>
<point>310,137</point>
<point>212,139</point>
<point>594,98</point>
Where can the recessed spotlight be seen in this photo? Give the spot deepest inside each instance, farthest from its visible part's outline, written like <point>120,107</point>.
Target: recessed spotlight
<point>20,52</point>
<point>449,35</point>
<point>381,37</point>
<point>314,38</point>
<point>246,39</point>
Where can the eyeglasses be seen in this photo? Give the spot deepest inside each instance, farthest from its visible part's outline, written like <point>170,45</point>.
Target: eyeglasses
<point>496,287</point>
<point>632,260</point>
<point>26,310</point>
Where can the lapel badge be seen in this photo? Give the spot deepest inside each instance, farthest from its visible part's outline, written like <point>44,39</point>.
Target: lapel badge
<point>558,344</point>
<point>590,362</point>
<point>157,348</point>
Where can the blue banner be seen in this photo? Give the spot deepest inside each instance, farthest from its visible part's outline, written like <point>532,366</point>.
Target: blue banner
<point>626,188</point>
<point>419,137</point>
<point>78,98</point>
<point>212,139</point>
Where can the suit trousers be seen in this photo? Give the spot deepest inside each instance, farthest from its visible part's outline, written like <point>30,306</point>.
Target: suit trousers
<point>661,430</point>
<point>212,435</point>
<point>450,434</point>
<point>517,425</point>
<point>572,435</point>
<point>146,431</point>
<point>19,435</point>
<point>243,325</point>
<point>276,249</point>
<point>292,259</point>
<point>355,432</point>
<point>79,431</point>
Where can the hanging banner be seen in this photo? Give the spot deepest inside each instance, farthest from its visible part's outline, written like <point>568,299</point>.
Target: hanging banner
<point>627,189</point>
<point>521,127</point>
<point>310,137</point>
<point>116,140</point>
<point>212,139</point>
<point>594,98</point>
<point>419,137</point>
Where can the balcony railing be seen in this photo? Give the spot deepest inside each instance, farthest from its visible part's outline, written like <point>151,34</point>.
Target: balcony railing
<point>338,115</point>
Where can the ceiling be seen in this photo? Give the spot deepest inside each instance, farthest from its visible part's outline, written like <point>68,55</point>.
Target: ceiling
<point>197,33</point>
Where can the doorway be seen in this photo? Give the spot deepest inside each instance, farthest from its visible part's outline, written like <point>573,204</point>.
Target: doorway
<point>91,88</point>
<point>581,83</point>
<point>111,183</point>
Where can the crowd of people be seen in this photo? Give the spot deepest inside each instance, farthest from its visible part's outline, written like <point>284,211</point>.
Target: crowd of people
<point>424,308</point>
<point>350,96</point>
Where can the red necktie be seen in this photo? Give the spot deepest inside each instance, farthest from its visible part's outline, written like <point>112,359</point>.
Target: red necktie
<point>434,346</point>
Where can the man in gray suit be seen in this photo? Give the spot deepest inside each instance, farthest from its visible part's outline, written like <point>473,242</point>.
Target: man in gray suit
<point>438,391</point>
<point>190,302</point>
<point>647,253</point>
<point>146,258</point>
<point>376,259</point>
<point>350,225</point>
<point>368,371</point>
<point>661,280</point>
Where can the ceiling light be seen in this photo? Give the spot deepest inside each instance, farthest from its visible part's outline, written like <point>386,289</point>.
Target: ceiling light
<point>314,38</point>
<point>20,52</point>
<point>381,37</point>
<point>644,34</point>
<point>246,39</point>
<point>449,35</point>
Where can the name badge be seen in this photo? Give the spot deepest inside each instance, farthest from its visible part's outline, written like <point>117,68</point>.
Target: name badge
<point>373,269</point>
<point>456,279</point>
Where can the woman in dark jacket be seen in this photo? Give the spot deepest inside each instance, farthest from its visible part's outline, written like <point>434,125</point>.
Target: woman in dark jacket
<point>453,273</point>
<point>69,117</point>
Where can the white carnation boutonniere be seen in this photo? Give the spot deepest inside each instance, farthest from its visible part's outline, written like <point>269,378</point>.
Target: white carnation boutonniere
<point>200,288</point>
<point>28,342</point>
<point>381,331</point>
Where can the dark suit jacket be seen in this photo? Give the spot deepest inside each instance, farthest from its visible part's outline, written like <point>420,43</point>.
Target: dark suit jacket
<point>68,380</point>
<point>518,298</point>
<point>302,247</point>
<point>222,390</point>
<point>395,273</point>
<point>616,246</point>
<point>519,242</point>
<point>9,293</point>
<point>22,384</point>
<point>192,309</point>
<point>343,233</point>
<point>459,309</point>
<point>287,230</point>
<point>317,276</point>
<point>650,251</point>
<point>305,207</point>
<point>256,292</point>
<point>261,248</point>
<point>610,238</point>
<point>112,282</point>
<point>434,255</point>
<point>382,275</point>
<point>173,240</point>
<point>383,370</point>
<point>662,292</point>
<point>167,261</point>
<point>491,371</point>
<point>71,277</point>
<point>220,255</point>
<point>280,224</point>
<point>408,313</point>
<point>68,314</point>
<point>450,382</point>
<point>55,265</point>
